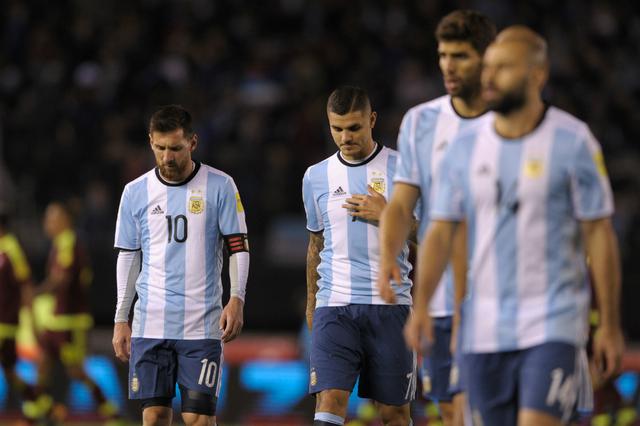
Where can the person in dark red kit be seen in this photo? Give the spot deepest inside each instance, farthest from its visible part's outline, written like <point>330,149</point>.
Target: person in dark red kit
<point>65,305</point>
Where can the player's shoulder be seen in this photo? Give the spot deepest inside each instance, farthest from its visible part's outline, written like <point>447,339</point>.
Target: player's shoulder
<point>563,120</point>
<point>429,109</point>
<point>475,127</point>
<point>214,173</point>
<point>313,169</point>
<point>389,152</point>
<point>140,180</point>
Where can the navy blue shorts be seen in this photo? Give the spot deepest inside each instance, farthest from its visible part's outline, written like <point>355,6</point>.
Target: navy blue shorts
<point>365,341</point>
<point>541,378</point>
<point>436,365</point>
<point>157,364</point>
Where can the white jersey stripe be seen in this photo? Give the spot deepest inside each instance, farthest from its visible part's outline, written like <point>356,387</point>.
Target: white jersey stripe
<point>341,266</point>
<point>157,227</point>
<point>532,237</point>
<point>195,280</point>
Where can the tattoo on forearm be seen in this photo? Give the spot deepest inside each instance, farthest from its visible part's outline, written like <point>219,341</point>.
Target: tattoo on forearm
<point>316,244</point>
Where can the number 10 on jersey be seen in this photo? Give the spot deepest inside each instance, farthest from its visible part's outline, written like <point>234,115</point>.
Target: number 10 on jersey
<point>177,229</point>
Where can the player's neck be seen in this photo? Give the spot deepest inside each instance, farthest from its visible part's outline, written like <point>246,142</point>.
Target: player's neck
<point>469,108</point>
<point>365,157</point>
<point>520,122</point>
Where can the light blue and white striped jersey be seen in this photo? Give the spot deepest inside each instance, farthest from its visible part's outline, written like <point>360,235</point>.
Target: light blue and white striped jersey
<point>523,200</point>
<point>425,133</point>
<point>351,255</point>
<point>179,228</point>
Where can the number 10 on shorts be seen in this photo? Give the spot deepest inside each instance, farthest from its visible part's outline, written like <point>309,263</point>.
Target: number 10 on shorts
<point>208,373</point>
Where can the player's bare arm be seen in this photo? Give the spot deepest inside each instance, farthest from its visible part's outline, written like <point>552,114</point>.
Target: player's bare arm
<point>602,249</point>
<point>433,257</point>
<point>316,244</point>
<point>396,224</point>
<point>459,265</point>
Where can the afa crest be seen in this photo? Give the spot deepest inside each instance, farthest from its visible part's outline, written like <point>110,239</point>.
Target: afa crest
<point>313,378</point>
<point>135,384</point>
<point>378,182</point>
<point>533,168</point>
<point>196,202</point>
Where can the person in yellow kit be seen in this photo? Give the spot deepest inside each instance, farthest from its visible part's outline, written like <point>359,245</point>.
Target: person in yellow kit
<point>15,292</point>
<point>63,306</point>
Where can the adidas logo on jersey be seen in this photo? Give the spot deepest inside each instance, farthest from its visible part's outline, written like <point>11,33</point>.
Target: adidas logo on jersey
<point>338,192</point>
<point>157,210</point>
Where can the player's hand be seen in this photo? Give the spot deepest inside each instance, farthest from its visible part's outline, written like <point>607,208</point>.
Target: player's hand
<point>122,340</point>
<point>455,329</point>
<point>418,331</point>
<point>231,320</point>
<point>388,274</point>
<point>366,206</point>
<point>608,347</point>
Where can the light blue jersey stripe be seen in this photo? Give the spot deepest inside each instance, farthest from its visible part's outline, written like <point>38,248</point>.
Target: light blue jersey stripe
<point>467,309</point>
<point>506,243</point>
<point>139,196</point>
<point>561,227</point>
<point>175,261</point>
<point>213,249</point>
<point>425,135</point>
<point>358,241</point>
<point>320,180</point>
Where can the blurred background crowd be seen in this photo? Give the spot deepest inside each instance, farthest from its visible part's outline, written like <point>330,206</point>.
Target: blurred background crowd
<point>79,79</point>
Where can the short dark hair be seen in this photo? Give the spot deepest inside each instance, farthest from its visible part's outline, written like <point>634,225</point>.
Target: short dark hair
<point>345,99</point>
<point>169,118</point>
<point>467,25</point>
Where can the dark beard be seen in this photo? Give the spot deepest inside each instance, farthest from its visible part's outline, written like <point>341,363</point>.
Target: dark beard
<point>510,101</point>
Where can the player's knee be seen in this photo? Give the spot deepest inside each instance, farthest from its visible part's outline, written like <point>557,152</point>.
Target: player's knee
<point>156,414</point>
<point>192,419</point>
<point>196,402</point>
<point>394,415</point>
<point>332,401</point>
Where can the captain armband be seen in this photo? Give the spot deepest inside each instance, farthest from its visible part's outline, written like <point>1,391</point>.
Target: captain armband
<point>236,243</point>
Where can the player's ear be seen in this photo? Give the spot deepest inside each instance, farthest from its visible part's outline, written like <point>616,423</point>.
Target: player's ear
<point>372,119</point>
<point>194,141</point>
<point>150,140</point>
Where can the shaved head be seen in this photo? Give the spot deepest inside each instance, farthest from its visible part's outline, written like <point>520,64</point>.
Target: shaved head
<point>534,43</point>
<point>515,69</point>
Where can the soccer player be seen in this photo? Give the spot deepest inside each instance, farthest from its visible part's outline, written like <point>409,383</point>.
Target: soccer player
<point>427,129</point>
<point>175,221</point>
<point>353,332</point>
<point>15,291</point>
<point>531,184</point>
<point>64,330</point>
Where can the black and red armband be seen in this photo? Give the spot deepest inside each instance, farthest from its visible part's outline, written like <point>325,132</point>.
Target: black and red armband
<point>236,243</point>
